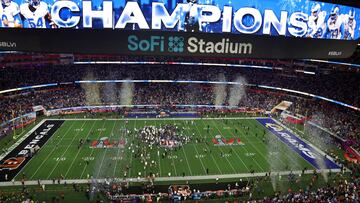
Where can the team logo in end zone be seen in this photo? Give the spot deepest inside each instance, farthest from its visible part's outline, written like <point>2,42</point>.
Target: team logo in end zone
<point>104,142</point>
<point>275,127</point>
<point>12,163</point>
<point>291,140</point>
<point>219,141</point>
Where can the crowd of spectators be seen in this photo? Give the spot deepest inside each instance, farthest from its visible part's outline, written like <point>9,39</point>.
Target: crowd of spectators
<point>337,189</point>
<point>340,86</point>
<point>339,192</point>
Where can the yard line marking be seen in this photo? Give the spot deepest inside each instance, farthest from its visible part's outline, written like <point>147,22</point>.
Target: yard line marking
<point>257,163</point>
<point>42,163</point>
<point>211,155</point>
<point>187,162</point>
<point>305,140</point>
<point>197,152</point>
<point>77,133</point>
<point>92,149</point>
<point>77,154</point>
<point>131,155</point>
<point>118,152</point>
<point>232,167</point>
<point>237,153</point>
<point>159,163</point>
<point>230,147</point>
<point>158,150</point>
<point>172,160</point>
<point>282,150</point>
<point>112,130</point>
<point>261,168</point>
<point>286,147</point>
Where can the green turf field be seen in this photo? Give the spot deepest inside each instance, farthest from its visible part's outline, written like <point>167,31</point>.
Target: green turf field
<point>260,151</point>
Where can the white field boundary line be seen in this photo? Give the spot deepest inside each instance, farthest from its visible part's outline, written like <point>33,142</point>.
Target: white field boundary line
<point>23,168</point>
<point>17,143</point>
<point>201,162</point>
<point>207,148</point>
<point>280,140</point>
<point>172,160</point>
<point>67,148</point>
<point>243,148</point>
<point>133,136</point>
<point>307,142</point>
<point>119,149</point>
<point>165,179</point>
<point>92,149</point>
<point>47,157</point>
<point>282,150</point>
<point>78,152</point>
<point>215,125</point>
<point>149,119</point>
<point>182,149</point>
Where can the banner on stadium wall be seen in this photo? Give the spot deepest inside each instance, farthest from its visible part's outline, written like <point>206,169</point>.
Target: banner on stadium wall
<point>189,28</point>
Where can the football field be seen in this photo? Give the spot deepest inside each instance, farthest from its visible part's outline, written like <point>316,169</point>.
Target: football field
<point>103,148</point>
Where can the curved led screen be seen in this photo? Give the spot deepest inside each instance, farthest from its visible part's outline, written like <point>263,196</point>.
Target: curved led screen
<point>291,18</point>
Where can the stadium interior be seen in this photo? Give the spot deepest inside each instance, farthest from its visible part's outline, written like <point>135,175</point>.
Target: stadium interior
<point>148,128</point>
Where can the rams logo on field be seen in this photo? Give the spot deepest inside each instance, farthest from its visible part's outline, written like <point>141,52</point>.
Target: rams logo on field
<point>12,163</point>
<point>274,126</point>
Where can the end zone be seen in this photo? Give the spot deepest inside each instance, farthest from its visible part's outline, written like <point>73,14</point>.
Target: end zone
<point>306,151</point>
<point>17,158</point>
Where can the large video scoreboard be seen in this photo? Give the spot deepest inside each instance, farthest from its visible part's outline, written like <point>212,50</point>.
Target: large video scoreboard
<point>219,28</point>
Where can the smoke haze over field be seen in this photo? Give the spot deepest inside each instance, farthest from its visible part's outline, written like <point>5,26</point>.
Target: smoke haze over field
<point>126,93</point>
<point>237,92</point>
<point>220,91</point>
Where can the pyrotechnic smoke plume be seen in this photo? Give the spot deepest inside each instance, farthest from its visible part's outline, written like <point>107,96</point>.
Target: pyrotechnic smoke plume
<point>237,92</point>
<point>319,138</point>
<point>126,93</point>
<point>109,93</point>
<point>220,91</point>
<point>92,92</point>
